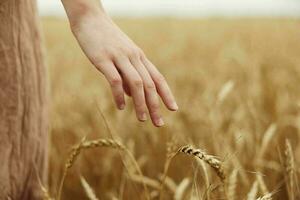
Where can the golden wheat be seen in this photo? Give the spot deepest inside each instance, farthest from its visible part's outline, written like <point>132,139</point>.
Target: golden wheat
<point>237,84</point>
<point>86,145</point>
<point>212,161</point>
<point>289,170</point>
<point>266,197</point>
<point>232,185</point>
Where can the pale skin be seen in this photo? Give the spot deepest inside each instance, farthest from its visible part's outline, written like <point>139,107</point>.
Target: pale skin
<point>120,60</point>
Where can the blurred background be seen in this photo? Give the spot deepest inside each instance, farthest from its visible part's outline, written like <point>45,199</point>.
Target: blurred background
<point>188,8</point>
<point>234,67</point>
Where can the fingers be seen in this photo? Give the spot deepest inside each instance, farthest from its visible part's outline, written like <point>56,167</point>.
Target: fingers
<point>115,81</point>
<point>126,89</point>
<point>161,85</point>
<point>136,76</point>
<point>125,85</point>
<point>135,84</point>
<point>152,100</point>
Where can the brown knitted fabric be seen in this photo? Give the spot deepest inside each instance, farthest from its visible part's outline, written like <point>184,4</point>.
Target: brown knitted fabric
<point>23,102</point>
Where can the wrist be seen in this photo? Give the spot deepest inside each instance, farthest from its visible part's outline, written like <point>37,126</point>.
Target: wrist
<point>78,10</point>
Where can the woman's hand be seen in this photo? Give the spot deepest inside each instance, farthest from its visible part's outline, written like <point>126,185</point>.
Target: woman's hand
<point>124,65</point>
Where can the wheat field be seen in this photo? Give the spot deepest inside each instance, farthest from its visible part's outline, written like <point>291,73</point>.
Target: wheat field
<point>237,83</point>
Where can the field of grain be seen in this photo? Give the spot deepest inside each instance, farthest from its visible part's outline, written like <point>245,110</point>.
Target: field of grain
<point>237,83</point>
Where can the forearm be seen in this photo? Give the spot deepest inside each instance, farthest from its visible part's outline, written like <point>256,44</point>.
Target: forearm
<point>79,9</point>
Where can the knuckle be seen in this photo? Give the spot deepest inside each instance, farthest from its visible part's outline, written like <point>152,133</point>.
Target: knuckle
<point>119,51</point>
<point>104,51</point>
<point>154,107</point>
<point>150,86</point>
<point>98,61</point>
<point>140,106</point>
<point>138,83</point>
<point>115,81</point>
<point>133,53</point>
<point>119,97</point>
<point>116,54</point>
<point>101,58</point>
<point>160,78</point>
<point>141,52</point>
<point>108,52</point>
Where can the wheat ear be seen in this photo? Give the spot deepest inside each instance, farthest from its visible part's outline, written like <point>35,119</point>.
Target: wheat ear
<point>232,183</point>
<point>85,145</point>
<point>212,161</point>
<point>102,143</point>
<point>289,169</point>
<point>189,150</point>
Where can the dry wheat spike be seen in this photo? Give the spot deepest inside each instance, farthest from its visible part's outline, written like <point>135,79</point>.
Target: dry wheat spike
<point>289,169</point>
<point>232,185</point>
<point>212,161</point>
<point>102,143</point>
<point>265,197</point>
<point>86,145</point>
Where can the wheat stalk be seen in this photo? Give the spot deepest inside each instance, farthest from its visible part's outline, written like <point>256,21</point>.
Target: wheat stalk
<point>74,154</point>
<point>181,189</point>
<point>225,90</point>
<point>145,180</point>
<point>253,192</point>
<point>46,194</point>
<point>261,183</point>
<point>268,135</point>
<point>171,153</point>
<point>206,177</point>
<point>88,189</point>
<point>170,156</point>
<point>127,151</point>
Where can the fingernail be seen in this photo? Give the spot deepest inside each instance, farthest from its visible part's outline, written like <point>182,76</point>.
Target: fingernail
<point>143,117</point>
<point>174,106</point>
<point>122,106</point>
<point>160,122</point>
